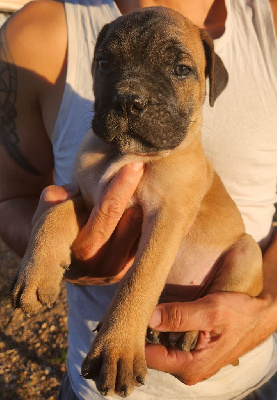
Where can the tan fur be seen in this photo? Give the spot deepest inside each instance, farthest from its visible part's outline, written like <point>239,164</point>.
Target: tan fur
<point>192,236</point>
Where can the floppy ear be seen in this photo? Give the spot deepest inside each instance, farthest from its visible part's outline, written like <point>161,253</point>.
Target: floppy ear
<point>215,70</point>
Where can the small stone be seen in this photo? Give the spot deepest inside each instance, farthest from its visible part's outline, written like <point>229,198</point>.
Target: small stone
<point>47,370</point>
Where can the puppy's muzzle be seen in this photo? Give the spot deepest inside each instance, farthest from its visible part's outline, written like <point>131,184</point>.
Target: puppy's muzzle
<point>136,116</point>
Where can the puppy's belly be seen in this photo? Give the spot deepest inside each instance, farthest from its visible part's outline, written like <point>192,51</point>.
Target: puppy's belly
<point>191,273</point>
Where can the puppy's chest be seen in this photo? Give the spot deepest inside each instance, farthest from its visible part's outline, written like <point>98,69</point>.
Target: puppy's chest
<point>96,172</point>
<point>165,177</point>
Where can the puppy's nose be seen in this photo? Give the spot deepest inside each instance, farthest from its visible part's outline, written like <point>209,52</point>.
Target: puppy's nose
<point>132,104</point>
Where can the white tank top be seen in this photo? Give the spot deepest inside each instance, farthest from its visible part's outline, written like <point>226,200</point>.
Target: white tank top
<point>239,135</point>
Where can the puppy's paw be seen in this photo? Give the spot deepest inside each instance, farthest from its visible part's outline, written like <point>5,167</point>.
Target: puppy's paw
<point>37,283</point>
<point>187,340</point>
<point>116,367</point>
<point>184,341</point>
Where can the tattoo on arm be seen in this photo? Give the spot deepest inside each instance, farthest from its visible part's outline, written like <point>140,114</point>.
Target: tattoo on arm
<point>8,88</point>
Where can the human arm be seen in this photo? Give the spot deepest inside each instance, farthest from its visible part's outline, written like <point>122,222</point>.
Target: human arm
<point>233,324</point>
<point>26,159</point>
<point>35,82</point>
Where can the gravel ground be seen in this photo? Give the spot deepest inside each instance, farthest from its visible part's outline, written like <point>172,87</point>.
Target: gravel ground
<point>32,350</point>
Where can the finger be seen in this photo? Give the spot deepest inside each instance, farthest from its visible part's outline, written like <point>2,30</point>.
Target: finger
<point>181,317</point>
<point>118,194</point>
<point>189,367</point>
<point>105,216</point>
<point>123,243</point>
<point>167,359</point>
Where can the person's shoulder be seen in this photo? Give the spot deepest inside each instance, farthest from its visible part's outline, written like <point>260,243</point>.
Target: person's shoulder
<point>38,14</point>
<point>37,37</point>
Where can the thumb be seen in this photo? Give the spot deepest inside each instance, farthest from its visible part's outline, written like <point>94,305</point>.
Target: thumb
<point>106,215</point>
<point>180,317</point>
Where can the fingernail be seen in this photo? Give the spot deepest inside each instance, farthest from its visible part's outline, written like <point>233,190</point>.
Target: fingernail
<point>137,166</point>
<point>156,319</point>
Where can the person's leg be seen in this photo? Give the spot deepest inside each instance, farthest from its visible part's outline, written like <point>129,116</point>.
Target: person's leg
<point>66,392</point>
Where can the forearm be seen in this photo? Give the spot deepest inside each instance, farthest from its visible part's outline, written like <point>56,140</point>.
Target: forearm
<point>16,222</point>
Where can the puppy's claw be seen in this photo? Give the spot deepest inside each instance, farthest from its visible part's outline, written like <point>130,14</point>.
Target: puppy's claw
<point>124,391</point>
<point>140,380</point>
<point>105,391</point>
<point>15,304</point>
<point>98,326</point>
<point>85,373</point>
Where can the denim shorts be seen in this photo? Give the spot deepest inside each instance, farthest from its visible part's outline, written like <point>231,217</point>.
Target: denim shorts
<point>66,392</point>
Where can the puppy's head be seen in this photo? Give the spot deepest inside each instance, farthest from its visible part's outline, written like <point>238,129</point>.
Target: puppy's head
<point>150,69</point>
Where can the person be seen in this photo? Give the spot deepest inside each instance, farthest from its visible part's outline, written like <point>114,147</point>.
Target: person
<point>46,109</point>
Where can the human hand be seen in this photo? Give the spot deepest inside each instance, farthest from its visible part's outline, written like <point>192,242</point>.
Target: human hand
<point>230,325</point>
<point>109,238</point>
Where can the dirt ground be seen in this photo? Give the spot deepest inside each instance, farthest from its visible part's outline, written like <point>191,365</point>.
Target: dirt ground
<point>32,350</point>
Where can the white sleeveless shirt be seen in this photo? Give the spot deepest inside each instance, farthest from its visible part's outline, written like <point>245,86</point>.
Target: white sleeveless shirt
<point>239,135</point>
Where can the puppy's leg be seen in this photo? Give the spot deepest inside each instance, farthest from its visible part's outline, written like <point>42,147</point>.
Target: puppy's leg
<point>48,254</point>
<point>116,360</point>
<point>239,270</point>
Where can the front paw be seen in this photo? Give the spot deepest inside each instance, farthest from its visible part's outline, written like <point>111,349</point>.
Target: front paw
<point>116,366</point>
<point>37,283</point>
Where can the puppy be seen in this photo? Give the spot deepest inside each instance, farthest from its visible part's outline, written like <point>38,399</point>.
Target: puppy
<point>150,69</point>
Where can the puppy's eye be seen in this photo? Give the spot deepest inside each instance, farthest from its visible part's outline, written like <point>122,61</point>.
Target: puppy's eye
<point>103,64</point>
<point>182,71</point>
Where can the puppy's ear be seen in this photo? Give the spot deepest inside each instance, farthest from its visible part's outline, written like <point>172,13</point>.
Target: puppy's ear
<point>215,70</point>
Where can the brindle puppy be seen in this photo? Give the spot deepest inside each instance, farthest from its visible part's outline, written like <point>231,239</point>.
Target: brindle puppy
<point>150,70</point>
